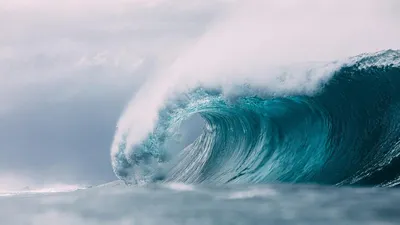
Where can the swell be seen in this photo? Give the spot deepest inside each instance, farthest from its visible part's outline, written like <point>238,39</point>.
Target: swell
<point>346,133</point>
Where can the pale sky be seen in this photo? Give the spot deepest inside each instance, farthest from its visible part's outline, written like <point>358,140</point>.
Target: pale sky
<point>68,68</point>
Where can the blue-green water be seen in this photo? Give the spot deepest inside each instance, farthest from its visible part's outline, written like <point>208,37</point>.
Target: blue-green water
<point>347,132</point>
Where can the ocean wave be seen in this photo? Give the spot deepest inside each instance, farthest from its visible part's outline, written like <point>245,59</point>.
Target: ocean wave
<point>345,130</point>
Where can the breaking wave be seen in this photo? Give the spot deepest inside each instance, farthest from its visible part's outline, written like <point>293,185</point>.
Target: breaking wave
<point>346,132</point>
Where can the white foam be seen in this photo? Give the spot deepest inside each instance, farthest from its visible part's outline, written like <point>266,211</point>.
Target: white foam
<point>253,193</point>
<point>180,187</point>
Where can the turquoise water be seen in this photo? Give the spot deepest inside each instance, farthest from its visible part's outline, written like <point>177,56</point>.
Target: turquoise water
<point>346,133</point>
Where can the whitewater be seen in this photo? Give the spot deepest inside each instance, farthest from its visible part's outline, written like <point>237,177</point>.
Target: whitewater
<point>279,113</point>
<point>344,132</point>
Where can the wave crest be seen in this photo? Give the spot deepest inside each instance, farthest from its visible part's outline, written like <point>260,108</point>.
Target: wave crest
<point>347,132</point>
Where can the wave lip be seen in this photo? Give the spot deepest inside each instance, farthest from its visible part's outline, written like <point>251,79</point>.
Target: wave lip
<point>345,133</point>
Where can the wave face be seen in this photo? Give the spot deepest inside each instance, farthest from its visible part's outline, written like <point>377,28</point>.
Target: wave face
<point>346,133</point>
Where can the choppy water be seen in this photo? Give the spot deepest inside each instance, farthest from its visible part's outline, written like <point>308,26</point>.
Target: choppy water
<point>116,204</point>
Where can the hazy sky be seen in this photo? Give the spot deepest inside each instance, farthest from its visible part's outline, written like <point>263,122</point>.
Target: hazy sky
<point>68,68</point>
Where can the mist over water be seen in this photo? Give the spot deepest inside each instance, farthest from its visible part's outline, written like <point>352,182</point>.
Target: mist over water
<point>290,51</point>
<point>257,42</point>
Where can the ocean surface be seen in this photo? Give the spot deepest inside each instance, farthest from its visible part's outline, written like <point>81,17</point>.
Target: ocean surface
<point>317,143</point>
<point>174,203</point>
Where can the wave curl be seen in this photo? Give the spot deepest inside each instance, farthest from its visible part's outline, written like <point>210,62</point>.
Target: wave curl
<point>346,133</point>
